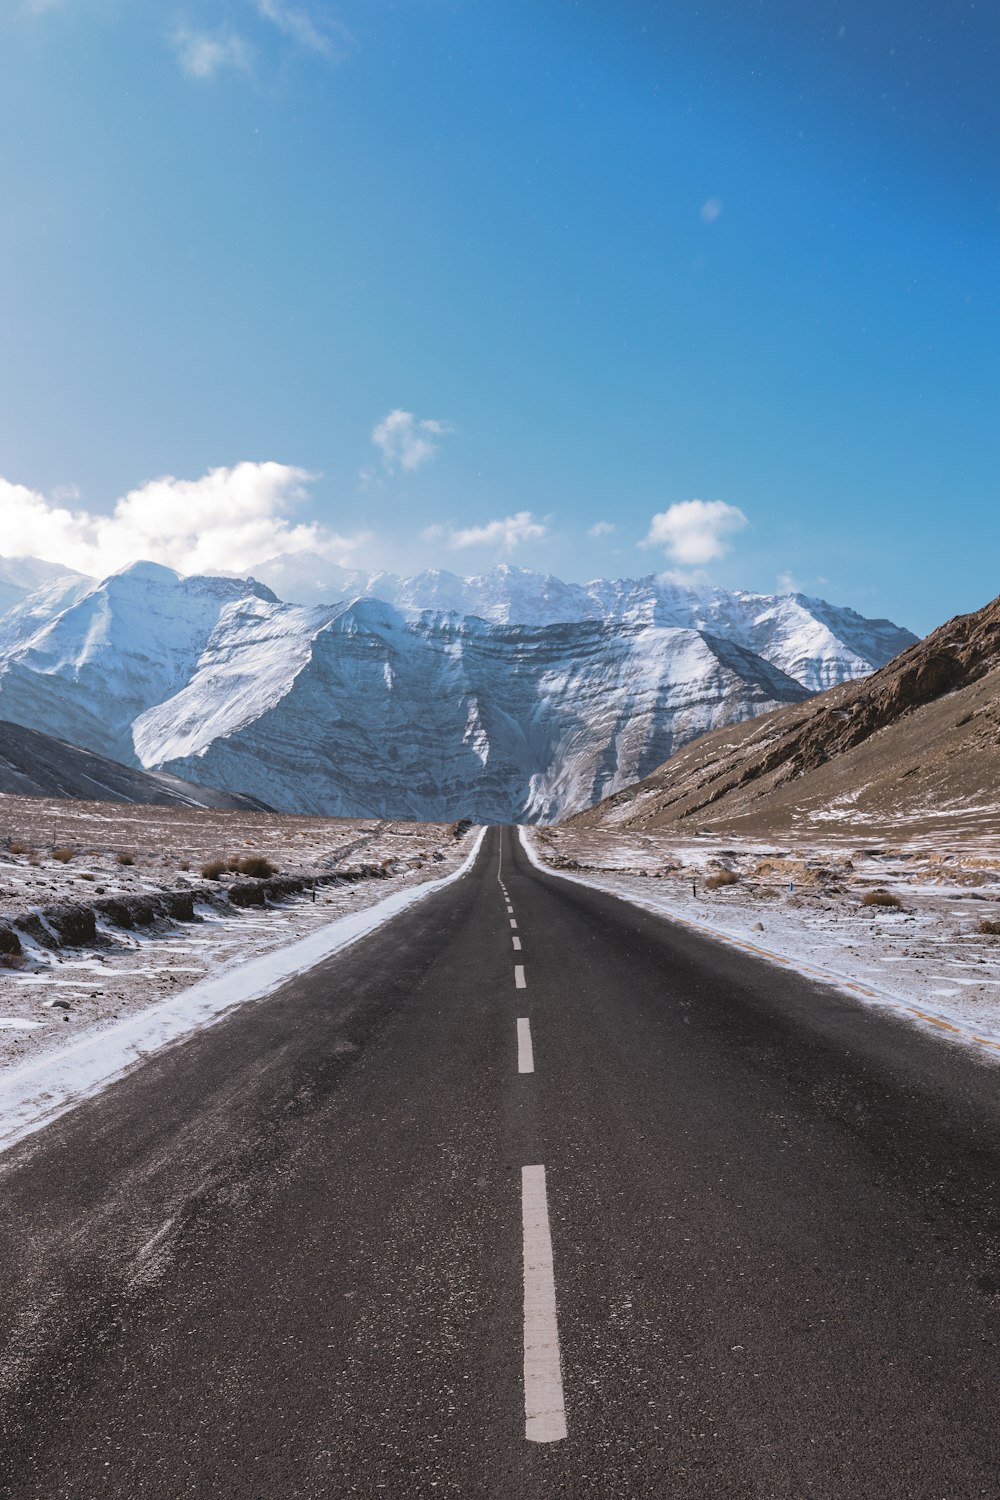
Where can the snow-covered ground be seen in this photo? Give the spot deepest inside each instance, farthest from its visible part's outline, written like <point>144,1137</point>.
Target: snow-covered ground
<point>51,993</point>
<point>803,907</point>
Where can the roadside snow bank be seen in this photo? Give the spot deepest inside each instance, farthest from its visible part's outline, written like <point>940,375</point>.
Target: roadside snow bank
<point>38,1092</point>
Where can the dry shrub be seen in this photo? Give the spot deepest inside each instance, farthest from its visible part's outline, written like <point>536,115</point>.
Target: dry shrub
<point>255,865</point>
<point>214,869</point>
<point>124,858</point>
<point>989,927</point>
<point>185,864</point>
<point>16,847</point>
<point>85,875</point>
<point>64,854</point>
<point>882,898</point>
<point>724,877</point>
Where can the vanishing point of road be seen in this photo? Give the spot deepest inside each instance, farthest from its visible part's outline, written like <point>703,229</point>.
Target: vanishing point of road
<point>530,1193</point>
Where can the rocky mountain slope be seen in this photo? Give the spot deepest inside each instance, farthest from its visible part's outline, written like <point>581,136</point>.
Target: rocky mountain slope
<point>915,744</point>
<point>408,717</point>
<point>36,765</point>
<point>367,708</point>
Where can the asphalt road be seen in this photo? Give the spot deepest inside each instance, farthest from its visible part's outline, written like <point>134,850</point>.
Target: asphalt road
<point>299,1255</point>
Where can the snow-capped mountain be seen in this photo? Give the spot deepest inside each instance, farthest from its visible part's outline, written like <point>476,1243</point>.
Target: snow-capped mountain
<point>368,711</point>
<point>49,587</point>
<point>814,642</point>
<point>125,644</point>
<point>375,707</point>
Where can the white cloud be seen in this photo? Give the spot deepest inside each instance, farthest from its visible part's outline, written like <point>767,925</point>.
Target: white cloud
<point>710,210</point>
<point>309,29</point>
<point>202,55</point>
<point>788,583</point>
<point>406,442</point>
<point>507,533</point>
<point>601,528</point>
<point>693,532</point>
<point>226,521</point>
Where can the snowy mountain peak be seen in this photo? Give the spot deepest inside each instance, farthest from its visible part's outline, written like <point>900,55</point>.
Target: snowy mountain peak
<point>510,695</point>
<point>818,644</point>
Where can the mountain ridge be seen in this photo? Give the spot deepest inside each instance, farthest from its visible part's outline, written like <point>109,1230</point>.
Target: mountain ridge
<point>918,741</point>
<point>366,707</point>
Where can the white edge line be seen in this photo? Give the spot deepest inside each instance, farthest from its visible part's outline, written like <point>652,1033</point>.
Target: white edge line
<point>857,989</point>
<point>33,1095</point>
<point>525,1051</point>
<point>544,1402</point>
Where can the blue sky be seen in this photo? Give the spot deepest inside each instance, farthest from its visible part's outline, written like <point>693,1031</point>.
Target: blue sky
<point>599,260</point>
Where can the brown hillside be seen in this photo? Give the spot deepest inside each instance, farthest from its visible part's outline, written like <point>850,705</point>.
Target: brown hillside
<point>914,744</point>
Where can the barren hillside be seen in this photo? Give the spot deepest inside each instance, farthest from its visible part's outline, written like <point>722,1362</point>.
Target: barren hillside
<point>913,746</point>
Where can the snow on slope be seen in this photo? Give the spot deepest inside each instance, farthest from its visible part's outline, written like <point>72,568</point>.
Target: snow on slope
<point>816,643</point>
<point>128,643</point>
<point>21,576</point>
<point>389,716</point>
<point>32,592</point>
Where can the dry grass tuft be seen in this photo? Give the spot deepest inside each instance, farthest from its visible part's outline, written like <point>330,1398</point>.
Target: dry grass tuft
<point>16,847</point>
<point>64,854</point>
<point>214,869</point>
<point>882,898</point>
<point>124,858</point>
<point>724,877</point>
<point>989,927</point>
<point>257,866</point>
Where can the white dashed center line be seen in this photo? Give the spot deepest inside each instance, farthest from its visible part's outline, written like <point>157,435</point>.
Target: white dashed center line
<point>513,921</point>
<point>544,1405</point>
<point>520,983</point>
<point>517,944</point>
<point>525,1056</point>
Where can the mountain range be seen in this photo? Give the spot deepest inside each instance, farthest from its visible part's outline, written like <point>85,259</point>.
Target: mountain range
<point>509,696</point>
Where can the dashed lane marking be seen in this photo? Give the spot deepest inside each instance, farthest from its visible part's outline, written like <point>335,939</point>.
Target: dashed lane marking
<point>544,1402</point>
<point>525,1055</point>
<point>520,983</point>
<point>513,921</point>
<point>517,944</point>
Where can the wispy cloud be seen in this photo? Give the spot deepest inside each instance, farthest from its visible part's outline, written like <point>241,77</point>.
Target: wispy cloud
<point>405,441</point>
<point>601,529</point>
<point>202,54</point>
<point>309,28</point>
<point>225,521</point>
<point>694,532</point>
<point>505,534</point>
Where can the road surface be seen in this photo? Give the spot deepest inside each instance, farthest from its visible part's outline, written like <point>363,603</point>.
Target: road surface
<point>559,1200</point>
